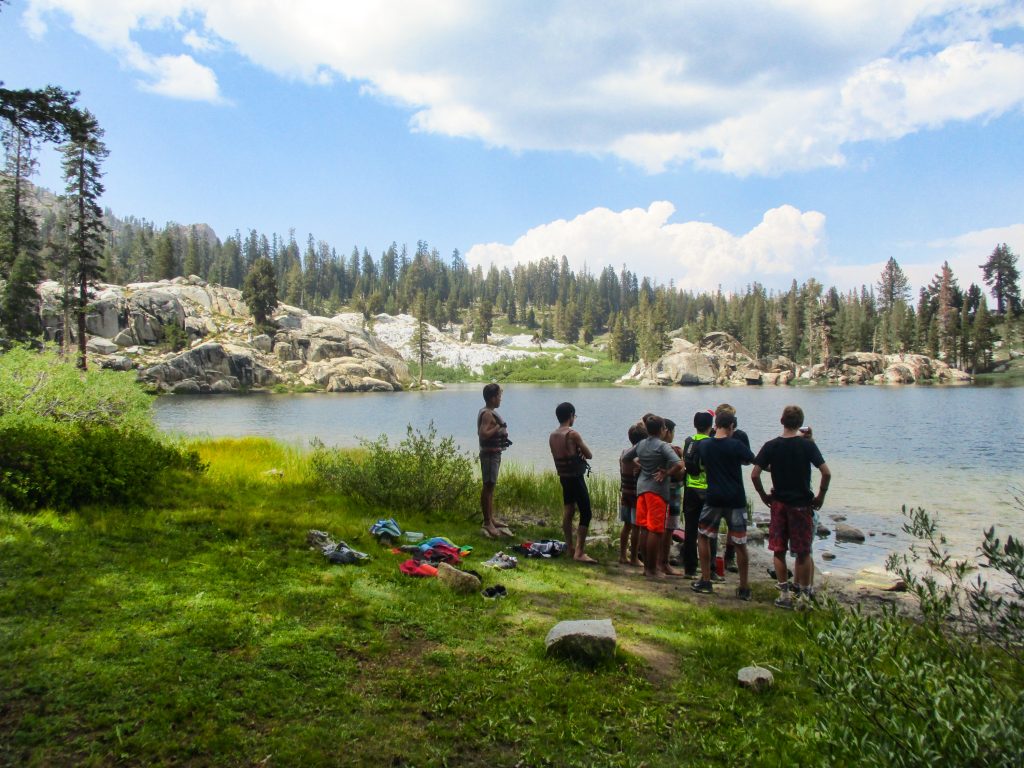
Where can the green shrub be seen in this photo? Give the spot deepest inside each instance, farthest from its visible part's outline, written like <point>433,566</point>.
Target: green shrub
<point>69,437</point>
<point>944,690</point>
<point>420,474</point>
<point>68,465</point>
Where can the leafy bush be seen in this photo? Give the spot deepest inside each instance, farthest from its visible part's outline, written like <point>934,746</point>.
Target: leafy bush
<point>68,465</point>
<point>69,437</point>
<point>420,474</point>
<point>944,690</point>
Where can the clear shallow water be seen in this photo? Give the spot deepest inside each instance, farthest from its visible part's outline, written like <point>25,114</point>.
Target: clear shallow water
<point>958,452</point>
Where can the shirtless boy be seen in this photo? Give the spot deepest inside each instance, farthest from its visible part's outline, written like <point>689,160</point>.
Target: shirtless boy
<point>571,454</point>
<point>492,432</point>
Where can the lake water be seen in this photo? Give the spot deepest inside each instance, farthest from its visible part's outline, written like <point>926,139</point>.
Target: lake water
<point>956,451</point>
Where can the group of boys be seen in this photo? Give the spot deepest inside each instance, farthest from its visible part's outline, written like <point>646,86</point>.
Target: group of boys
<point>665,488</point>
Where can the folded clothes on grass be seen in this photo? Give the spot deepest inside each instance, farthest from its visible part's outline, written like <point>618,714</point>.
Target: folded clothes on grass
<point>388,528</point>
<point>343,554</point>
<point>544,548</point>
<point>417,568</point>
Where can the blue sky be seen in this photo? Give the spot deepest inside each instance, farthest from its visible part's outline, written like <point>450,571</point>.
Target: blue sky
<point>705,143</point>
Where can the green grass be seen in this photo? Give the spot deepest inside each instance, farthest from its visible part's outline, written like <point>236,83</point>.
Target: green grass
<point>200,630</point>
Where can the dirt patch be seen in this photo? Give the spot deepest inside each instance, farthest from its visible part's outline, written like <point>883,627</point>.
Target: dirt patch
<point>662,665</point>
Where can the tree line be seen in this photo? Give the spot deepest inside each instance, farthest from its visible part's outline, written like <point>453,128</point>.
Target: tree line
<point>68,239</point>
<point>72,248</point>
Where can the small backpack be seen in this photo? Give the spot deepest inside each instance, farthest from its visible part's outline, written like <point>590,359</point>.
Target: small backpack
<point>691,457</point>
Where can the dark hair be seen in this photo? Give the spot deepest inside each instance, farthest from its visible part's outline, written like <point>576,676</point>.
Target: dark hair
<point>564,412</point>
<point>491,391</point>
<point>670,425</point>
<point>702,420</point>
<point>792,417</point>
<point>725,420</point>
<point>636,433</point>
<point>654,424</point>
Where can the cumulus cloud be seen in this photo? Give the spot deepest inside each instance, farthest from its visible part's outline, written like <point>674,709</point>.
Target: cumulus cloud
<point>757,87</point>
<point>787,243</point>
<point>965,254</point>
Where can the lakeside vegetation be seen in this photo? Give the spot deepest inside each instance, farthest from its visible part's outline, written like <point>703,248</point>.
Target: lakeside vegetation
<point>199,626</point>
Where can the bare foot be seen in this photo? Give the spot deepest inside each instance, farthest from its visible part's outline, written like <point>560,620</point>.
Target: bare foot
<point>490,532</point>
<point>653,575</point>
<point>623,561</point>
<point>635,563</point>
<point>584,559</point>
<point>670,571</point>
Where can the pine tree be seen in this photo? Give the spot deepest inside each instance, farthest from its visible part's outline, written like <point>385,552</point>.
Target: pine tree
<point>1003,279</point>
<point>421,335</point>
<point>259,291</point>
<point>82,155</point>
<point>484,321</point>
<point>892,286</point>
<point>164,266</point>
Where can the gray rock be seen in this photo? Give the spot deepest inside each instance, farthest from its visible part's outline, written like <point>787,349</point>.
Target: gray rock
<point>587,640</point>
<point>456,580</point>
<point>826,555</point>
<point>100,346</point>
<point>822,530</point>
<point>263,343</point>
<point>186,387</point>
<point>755,678</point>
<point>846,532</point>
<point>837,518</point>
<point>117,363</point>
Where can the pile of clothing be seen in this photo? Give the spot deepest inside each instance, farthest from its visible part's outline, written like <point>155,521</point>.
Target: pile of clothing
<point>545,548</point>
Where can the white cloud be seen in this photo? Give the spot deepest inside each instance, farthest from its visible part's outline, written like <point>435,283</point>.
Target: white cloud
<point>965,254</point>
<point>764,86</point>
<point>787,243</point>
<point>180,77</point>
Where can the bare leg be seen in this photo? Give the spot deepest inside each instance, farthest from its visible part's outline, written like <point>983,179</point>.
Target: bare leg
<point>743,563</point>
<point>779,561</point>
<point>803,571</point>
<point>704,553</point>
<point>487,509</point>
<point>666,547</point>
<point>581,544</point>
<point>634,541</point>
<point>627,529</point>
<point>651,554</point>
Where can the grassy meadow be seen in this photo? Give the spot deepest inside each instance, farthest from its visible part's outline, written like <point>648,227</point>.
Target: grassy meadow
<point>199,629</point>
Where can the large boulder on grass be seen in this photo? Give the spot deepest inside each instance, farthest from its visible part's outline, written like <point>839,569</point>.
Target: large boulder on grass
<point>456,580</point>
<point>588,640</point>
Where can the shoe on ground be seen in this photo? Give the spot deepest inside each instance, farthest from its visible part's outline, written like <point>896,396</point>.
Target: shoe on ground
<point>743,593</point>
<point>703,587</point>
<point>731,567</point>
<point>692,575</point>
<point>784,601</point>
<point>716,578</point>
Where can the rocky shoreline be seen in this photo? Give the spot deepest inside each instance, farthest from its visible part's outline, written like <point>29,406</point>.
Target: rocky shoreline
<point>720,359</point>
<point>134,327</point>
